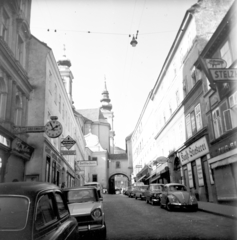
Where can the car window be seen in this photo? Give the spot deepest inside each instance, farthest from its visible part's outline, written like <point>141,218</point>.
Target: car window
<point>45,212</point>
<point>177,188</point>
<point>81,195</point>
<point>62,209</point>
<point>13,212</point>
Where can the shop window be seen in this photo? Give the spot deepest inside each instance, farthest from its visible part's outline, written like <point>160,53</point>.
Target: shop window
<point>226,53</point>
<point>94,177</point>
<point>118,164</point>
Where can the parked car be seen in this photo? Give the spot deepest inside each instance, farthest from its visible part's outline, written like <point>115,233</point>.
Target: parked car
<point>34,210</point>
<point>175,195</point>
<point>153,192</point>
<point>87,207</point>
<point>139,193</point>
<point>129,191</point>
<point>97,185</point>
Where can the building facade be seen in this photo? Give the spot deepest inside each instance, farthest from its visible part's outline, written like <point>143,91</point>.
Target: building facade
<point>15,88</point>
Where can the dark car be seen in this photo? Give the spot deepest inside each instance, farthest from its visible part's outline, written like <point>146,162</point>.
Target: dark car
<point>131,191</point>
<point>87,207</point>
<point>35,210</point>
<point>176,195</point>
<point>97,186</point>
<point>153,192</point>
<point>139,193</point>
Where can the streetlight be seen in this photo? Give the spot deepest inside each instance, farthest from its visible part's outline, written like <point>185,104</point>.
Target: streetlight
<point>134,40</point>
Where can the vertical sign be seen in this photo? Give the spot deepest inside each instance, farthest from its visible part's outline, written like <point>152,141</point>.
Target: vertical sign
<point>190,175</point>
<point>199,172</point>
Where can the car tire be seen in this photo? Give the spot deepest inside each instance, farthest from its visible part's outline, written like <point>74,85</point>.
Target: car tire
<point>136,197</point>
<point>168,207</point>
<point>147,201</point>
<point>161,206</point>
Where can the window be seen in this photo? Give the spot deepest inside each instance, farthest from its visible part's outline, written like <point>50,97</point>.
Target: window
<point>61,205</point>
<point>55,93</point>
<point>226,54</point>
<point>94,177</point>
<point>188,126</point>
<point>20,50</point>
<point>59,103</point>
<point>198,117</point>
<point>117,164</point>
<point>193,76</point>
<point>217,123</point>
<point>45,211</point>
<point>233,109</point>
<point>5,26</point>
<point>193,123</point>
<point>47,170</point>
<point>18,110</point>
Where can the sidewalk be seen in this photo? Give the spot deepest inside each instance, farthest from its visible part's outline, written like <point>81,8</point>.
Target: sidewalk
<point>224,210</point>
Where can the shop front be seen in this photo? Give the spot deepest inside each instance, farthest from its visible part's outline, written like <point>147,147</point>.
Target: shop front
<point>224,169</point>
<point>195,169</point>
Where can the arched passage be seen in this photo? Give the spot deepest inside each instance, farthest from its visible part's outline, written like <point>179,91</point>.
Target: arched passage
<point>117,180</point>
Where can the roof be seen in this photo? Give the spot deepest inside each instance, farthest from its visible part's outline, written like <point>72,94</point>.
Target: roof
<point>93,114</point>
<point>118,150</point>
<point>29,189</point>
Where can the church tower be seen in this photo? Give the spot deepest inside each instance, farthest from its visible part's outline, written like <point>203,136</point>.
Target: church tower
<point>106,108</point>
<point>64,67</point>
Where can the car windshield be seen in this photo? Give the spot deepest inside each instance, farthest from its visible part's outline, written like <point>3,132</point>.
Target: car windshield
<point>177,188</point>
<point>81,195</point>
<point>13,212</point>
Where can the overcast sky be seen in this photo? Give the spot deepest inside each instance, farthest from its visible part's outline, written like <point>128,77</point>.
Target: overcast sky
<point>97,36</point>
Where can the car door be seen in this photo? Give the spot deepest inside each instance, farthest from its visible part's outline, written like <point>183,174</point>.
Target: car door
<point>46,222</point>
<point>68,224</point>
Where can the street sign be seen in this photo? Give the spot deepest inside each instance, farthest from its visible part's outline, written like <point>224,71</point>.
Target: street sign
<point>223,74</point>
<point>28,129</point>
<point>68,142</point>
<point>87,163</point>
<point>68,152</point>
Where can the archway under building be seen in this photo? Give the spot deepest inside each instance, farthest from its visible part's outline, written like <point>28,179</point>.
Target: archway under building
<point>117,181</point>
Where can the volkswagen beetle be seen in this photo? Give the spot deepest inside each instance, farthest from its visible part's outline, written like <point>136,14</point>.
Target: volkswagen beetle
<point>175,195</point>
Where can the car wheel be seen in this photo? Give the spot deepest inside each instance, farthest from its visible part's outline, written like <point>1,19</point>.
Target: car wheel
<point>161,206</point>
<point>140,197</point>
<point>147,201</point>
<point>168,207</point>
<point>136,197</point>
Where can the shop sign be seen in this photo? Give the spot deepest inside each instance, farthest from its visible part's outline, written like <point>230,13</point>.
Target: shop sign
<point>216,63</point>
<point>22,148</point>
<point>194,151</point>
<point>87,163</point>
<point>199,172</point>
<point>223,74</point>
<point>68,142</point>
<point>68,152</point>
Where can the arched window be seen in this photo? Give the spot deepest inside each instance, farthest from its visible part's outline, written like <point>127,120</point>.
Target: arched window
<point>18,109</point>
<point>3,95</point>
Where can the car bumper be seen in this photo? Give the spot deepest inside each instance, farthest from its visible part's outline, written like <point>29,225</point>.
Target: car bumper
<point>92,231</point>
<point>184,206</point>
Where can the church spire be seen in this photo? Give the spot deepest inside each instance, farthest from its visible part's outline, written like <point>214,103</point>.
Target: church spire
<point>105,101</point>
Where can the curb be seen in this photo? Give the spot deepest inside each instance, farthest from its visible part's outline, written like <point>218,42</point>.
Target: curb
<point>219,214</point>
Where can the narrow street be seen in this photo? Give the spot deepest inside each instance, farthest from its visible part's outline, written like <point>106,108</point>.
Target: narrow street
<point>127,218</point>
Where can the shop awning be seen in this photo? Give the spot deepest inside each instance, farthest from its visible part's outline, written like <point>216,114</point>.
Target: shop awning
<point>152,175</point>
<point>223,162</point>
<point>141,178</point>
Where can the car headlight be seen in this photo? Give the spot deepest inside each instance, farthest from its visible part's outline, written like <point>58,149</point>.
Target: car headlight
<point>173,199</point>
<point>192,199</point>
<point>96,214</point>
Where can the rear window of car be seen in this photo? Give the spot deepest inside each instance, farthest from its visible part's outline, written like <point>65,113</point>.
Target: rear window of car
<point>13,212</point>
<point>157,187</point>
<point>82,195</point>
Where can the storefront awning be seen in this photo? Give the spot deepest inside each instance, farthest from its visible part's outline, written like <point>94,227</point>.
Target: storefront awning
<point>141,178</point>
<point>223,162</point>
<point>152,175</point>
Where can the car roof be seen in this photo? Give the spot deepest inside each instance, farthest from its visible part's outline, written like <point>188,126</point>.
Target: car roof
<point>173,184</point>
<point>28,189</point>
<point>157,184</point>
<point>78,188</point>
<point>91,183</point>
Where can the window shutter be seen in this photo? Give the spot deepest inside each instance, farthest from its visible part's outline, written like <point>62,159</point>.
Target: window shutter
<point>227,120</point>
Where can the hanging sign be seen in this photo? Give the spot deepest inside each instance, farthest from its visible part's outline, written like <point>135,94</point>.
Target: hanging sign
<point>28,129</point>
<point>68,142</point>
<point>216,63</point>
<point>68,152</point>
<point>22,148</point>
<point>223,74</point>
<point>87,163</point>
